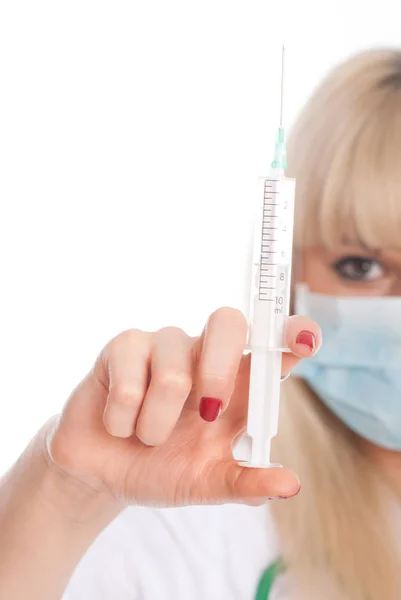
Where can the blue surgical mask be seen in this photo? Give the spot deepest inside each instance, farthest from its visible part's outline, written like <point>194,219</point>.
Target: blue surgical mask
<point>357,372</point>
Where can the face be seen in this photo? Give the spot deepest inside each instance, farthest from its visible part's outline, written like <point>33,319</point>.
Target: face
<point>351,271</point>
<point>354,271</point>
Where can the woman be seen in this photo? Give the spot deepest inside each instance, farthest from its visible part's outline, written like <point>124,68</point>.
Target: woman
<point>131,432</point>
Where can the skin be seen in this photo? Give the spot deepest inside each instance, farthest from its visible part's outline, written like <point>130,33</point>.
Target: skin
<point>131,433</point>
<point>351,270</point>
<point>339,272</point>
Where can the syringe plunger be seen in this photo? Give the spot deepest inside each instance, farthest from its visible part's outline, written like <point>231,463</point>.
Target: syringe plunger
<point>264,396</point>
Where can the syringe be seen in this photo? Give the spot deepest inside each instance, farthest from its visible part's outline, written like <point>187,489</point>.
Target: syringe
<point>270,299</point>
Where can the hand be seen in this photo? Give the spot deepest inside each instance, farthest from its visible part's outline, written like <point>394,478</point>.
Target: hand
<point>144,425</point>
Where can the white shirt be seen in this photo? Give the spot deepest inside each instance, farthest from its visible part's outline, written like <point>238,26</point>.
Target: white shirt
<point>191,553</point>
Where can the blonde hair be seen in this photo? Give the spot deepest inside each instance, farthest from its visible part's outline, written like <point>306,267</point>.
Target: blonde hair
<point>345,151</point>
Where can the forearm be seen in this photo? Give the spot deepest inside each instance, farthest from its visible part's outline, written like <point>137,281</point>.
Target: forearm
<point>47,522</point>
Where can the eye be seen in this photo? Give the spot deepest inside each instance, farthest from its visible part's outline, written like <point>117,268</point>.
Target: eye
<point>358,268</point>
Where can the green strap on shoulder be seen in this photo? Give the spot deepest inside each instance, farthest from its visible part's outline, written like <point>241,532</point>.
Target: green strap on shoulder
<point>267,580</point>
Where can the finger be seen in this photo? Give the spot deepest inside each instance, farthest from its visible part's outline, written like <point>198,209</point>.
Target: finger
<point>304,338</point>
<point>170,385</point>
<point>221,347</point>
<point>234,483</point>
<point>126,361</point>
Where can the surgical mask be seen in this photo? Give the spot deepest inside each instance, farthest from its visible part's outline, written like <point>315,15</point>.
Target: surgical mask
<point>357,372</point>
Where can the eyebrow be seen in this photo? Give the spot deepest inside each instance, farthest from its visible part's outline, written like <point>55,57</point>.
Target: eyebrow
<point>358,244</point>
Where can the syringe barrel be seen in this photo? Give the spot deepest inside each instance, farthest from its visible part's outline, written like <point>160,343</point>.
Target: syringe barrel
<point>272,259</point>
<point>269,310</point>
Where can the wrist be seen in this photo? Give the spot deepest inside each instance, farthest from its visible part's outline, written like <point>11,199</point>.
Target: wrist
<point>48,520</point>
<point>37,487</point>
<point>59,491</point>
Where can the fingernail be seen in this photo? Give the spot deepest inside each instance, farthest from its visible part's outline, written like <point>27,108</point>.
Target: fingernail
<point>278,497</point>
<point>210,408</point>
<point>286,497</point>
<point>307,339</point>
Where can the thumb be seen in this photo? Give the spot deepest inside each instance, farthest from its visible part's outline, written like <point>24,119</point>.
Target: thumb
<point>231,482</point>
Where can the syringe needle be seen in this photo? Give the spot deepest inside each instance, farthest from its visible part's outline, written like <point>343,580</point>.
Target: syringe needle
<point>279,161</point>
<point>282,87</point>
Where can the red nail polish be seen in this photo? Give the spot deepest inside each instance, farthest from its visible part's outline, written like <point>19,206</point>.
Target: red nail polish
<point>307,339</point>
<point>210,408</point>
<point>278,497</point>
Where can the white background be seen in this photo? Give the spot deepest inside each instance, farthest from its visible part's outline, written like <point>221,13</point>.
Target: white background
<point>131,137</point>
